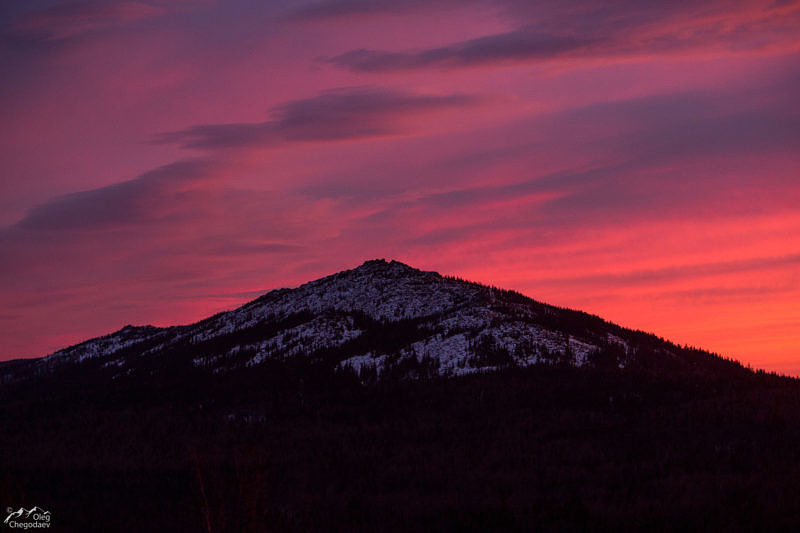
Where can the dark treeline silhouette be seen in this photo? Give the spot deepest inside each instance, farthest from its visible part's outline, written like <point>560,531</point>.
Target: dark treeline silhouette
<point>296,445</point>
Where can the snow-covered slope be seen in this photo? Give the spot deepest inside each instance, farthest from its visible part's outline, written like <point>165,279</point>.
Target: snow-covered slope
<point>382,318</point>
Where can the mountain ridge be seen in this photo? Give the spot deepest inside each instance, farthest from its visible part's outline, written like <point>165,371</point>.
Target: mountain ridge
<point>380,318</point>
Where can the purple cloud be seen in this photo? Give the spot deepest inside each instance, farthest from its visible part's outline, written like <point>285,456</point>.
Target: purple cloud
<point>119,204</point>
<point>328,9</point>
<point>514,46</point>
<point>591,30</point>
<point>340,114</point>
<point>73,21</point>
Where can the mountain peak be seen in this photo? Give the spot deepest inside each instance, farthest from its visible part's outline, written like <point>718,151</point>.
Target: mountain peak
<point>370,263</point>
<point>384,266</point>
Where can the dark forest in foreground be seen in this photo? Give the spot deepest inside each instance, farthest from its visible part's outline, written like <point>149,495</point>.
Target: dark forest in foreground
<point>293,446</point>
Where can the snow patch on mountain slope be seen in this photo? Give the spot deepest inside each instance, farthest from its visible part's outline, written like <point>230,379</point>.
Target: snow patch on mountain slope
<point>102,346</point>
<point>382,291</point>
<point>454,353</point>
<point>358,363</point>
<point>320,333</point>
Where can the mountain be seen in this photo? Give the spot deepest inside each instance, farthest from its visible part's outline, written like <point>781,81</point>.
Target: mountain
<point>14,514</point>
<point>384,398</point>
<point>382,319</point>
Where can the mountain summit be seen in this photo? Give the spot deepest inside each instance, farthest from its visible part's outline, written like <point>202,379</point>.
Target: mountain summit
<point>379,320</point>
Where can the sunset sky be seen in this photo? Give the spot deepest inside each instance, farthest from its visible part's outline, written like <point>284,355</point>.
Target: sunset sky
<point>164,160</point>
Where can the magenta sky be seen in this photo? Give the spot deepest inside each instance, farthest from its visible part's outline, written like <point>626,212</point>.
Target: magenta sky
<point>164,160</point>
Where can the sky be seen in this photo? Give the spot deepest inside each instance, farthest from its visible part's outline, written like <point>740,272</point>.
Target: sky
<point>164,160</point>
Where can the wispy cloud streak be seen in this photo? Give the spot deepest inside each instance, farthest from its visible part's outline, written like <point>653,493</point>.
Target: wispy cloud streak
<point>594,31</point>
<point>343,114</point>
